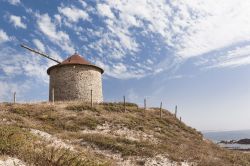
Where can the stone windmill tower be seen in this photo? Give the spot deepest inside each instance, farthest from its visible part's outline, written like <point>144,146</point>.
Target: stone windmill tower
<point>74,79</point>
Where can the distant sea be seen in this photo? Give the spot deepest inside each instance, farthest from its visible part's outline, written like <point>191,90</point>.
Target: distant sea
<point>218,136</point>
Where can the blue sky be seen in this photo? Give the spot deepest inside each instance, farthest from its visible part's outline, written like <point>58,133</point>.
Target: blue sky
<point>194,54</point>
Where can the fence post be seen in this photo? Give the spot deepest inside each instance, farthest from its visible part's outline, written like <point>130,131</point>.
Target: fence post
<point>53,95</point>
<point>175,114</point>
<point>145,104</point>
<point>124,103</point>
<point>14,98</point>
<point>161,110</point>
<point>91,99</point>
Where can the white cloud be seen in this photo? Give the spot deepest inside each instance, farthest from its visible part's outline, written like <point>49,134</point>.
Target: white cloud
<point>39,45</point>
<point>188,28</point>
<point>235,62</point>
<point>105,10</point>
<point>121,39</point>
<point>117,35</point>
<point>218,24</point>
<point>17,22</point>
<point>153,16</point>
<point>14,2</point>
<point>73,14</point>
<point>58,37</point>
<point>185,29</point>
<point>118,40</point>
<point>233,58</point>
<point>3,36</point>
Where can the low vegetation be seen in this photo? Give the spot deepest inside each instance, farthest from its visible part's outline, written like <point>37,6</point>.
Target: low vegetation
<point>20,143</point>
<point>97,133</point>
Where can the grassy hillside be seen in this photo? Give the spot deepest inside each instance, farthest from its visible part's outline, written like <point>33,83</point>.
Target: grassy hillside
<point>73,133</point>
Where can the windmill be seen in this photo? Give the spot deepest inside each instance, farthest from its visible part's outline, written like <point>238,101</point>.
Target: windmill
<point>73,79</point>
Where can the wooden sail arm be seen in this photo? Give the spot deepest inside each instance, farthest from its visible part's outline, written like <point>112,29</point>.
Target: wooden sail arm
<point>40,53</point>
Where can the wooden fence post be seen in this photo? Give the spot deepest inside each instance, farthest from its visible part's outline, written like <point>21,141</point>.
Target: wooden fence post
<point>124,103</point>
<point>175,114</point>
<point>161,110</point>
<point>91,99</point>
<point>14,98</point>
<point>145,104</point>
<point>53,95</point>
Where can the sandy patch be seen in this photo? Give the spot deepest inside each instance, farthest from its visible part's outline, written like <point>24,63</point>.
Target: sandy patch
<point>161,160</point>
<point>53,141</point>
<point>9,161</point>
<point>121,132</point>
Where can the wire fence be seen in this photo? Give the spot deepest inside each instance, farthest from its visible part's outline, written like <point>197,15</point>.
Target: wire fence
<point>124,101</point>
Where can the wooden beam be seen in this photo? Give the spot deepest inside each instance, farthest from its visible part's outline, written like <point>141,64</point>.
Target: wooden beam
<point>40,53</point>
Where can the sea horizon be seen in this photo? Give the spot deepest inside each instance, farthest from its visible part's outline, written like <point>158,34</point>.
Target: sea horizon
<point>217,136</point>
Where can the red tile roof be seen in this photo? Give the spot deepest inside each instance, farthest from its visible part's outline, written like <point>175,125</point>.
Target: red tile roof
<point>77,60</point>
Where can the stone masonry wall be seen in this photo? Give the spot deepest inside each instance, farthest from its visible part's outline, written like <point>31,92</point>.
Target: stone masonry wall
<point>74,82</point>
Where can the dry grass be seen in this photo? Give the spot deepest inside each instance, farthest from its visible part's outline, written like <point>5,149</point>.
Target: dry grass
<point>20,143</point>
<point>116,144</point>
<point>68,119</point>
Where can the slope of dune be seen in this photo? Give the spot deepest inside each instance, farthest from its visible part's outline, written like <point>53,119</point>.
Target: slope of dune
<point>73,133</point>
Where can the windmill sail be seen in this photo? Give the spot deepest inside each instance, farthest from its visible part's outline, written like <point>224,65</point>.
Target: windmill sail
<point>40,53</point>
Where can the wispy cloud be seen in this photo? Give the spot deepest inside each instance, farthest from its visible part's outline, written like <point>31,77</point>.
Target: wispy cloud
<point>58,37</point>
<point>189,29</point>
<point>126,30</point>
<point>18,73</point>
<point>238,56</point>
<point>159,37</point>
<point>214,26</point>
<point>22,64</point>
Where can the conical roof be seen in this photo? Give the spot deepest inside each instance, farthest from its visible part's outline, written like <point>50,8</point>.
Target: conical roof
<point>75,59</point>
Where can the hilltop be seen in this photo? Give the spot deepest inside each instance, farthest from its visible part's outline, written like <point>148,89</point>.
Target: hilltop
<point>73,133</point>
